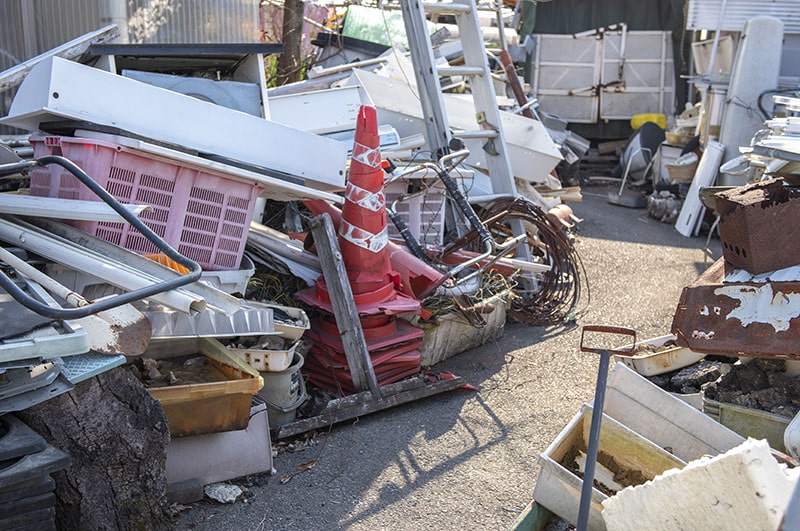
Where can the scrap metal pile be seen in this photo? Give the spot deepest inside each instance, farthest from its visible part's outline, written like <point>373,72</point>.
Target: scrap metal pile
<point>166,220</point>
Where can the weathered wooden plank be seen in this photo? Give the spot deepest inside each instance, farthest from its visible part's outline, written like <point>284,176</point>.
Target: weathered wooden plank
<point>344,306</point>
<point>363,403</point>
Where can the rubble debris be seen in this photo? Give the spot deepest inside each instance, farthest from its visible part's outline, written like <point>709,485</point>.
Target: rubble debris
<point>761,384</point>
<point>689,379</point>
<point>180,370</point>
<point>223,492</point>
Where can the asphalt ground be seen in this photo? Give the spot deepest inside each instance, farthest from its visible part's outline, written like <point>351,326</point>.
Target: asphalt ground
<point>468,459</point>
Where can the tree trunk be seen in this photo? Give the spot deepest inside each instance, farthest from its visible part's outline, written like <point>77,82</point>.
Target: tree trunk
<point>289,64</point>
<point>116,434</point>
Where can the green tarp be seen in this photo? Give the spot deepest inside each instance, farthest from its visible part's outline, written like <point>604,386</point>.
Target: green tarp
<point>574,16</point>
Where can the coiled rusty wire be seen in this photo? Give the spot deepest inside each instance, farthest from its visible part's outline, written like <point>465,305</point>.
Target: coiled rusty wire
<point>558,293</point>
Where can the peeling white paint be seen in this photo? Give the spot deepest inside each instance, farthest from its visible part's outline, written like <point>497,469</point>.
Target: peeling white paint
<point>758,304</point>
<point>704,310</point>
<point>698,334</point>
<point>787,274</point>
<point>717,310</point>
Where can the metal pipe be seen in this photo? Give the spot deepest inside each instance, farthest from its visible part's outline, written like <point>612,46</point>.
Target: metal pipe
<point>31,238</point>
<point>215,300</point>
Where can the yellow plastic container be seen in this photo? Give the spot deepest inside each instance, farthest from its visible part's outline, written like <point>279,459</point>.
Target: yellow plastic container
<point>211,407</point>
<point>639,119</point>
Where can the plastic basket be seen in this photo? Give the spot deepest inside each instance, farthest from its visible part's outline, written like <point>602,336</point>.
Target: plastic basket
<point>205,215</point>
<point>423,214</point>
<point>681,173</point>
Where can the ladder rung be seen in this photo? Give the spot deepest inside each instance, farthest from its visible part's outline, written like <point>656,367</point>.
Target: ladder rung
<point>460,71</point>
<point>442,8</point>
<point>480,133</point>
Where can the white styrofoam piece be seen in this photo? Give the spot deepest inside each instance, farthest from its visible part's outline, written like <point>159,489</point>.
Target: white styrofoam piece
<point>57,89</point>
<point>689,217</point>
<point>663,418</point>
<point>533,153</point>
<point>274,188</point>
<point>320,111</point>
<point>222,456</point>
<point>744,488</point>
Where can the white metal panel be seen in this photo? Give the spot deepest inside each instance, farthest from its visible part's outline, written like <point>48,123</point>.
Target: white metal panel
<point>705,14</point>
<point>57,89</point>
<point>531,150</point>
<point>320,112</point>
<point>567,70</point>
<point>690,215</point>
<point>646,82</point>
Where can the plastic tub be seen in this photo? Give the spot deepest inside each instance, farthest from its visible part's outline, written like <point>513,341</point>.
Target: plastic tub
<point>749,422</point>
<point>213,406</point>
<point>654,363</point>
<point>267,360</point>
<point>559,489</point>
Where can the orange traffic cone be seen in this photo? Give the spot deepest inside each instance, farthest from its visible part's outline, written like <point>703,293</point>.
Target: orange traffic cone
<point>363,233</point>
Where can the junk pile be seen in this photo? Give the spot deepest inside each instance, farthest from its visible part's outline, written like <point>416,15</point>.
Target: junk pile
<point>730,364</point>
<point>197,243</point>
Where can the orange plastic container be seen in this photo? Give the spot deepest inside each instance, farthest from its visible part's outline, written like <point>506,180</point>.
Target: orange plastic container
<point>211,407</point>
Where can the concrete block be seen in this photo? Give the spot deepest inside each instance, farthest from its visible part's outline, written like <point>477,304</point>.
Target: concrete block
<point>744,488</point>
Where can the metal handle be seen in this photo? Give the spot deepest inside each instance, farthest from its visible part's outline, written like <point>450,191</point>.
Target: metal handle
<point>118,300</point>
<point>609,329</point>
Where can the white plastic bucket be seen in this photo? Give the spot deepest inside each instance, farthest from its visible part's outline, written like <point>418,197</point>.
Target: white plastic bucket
<point>284,392</point>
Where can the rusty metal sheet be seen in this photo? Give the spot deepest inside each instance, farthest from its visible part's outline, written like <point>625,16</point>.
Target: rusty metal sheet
<point>757,319</point>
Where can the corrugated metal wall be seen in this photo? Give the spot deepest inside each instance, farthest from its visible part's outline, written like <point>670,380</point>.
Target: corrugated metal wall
<point>31,27</point>
<point>704,14</point>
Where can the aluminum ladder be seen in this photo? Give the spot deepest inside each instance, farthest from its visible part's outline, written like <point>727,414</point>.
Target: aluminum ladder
<point>488,124</point>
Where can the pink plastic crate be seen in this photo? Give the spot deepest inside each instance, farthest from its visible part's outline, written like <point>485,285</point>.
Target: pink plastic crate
<point>204,215</point>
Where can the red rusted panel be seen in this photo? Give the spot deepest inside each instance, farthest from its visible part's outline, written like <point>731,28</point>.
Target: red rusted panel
<point>758,226</point>
<point>741,318</point>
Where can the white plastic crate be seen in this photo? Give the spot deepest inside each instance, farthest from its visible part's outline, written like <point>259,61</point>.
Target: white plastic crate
<point>267,360</point>
<point>424,214</point>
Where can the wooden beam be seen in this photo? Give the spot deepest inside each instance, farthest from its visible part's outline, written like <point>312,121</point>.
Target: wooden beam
<point>356,405</point>
<point>344,306</point>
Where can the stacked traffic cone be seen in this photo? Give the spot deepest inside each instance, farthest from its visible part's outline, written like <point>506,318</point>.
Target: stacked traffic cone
<point>363,239</point>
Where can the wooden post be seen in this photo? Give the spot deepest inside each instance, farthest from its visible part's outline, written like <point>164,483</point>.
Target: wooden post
<point>344,306</point>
